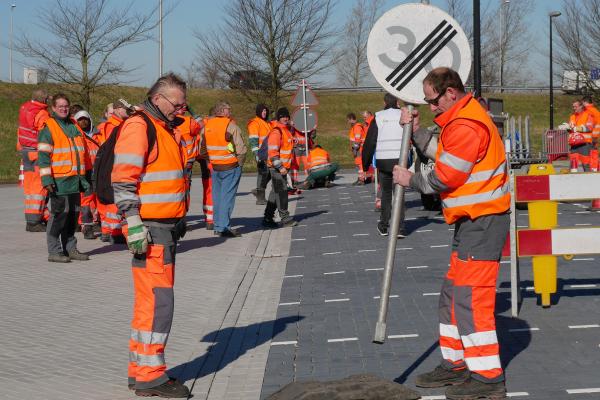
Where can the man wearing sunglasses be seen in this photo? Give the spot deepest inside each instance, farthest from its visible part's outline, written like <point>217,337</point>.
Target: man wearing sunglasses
<point>471,176</point>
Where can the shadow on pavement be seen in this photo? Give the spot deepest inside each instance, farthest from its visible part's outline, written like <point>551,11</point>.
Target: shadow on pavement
<point>228,345</point>
<point>108,248</point>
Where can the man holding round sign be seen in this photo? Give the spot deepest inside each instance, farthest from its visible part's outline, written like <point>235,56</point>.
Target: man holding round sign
<point>471,175</point>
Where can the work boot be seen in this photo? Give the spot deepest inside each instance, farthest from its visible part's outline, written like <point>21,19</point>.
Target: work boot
<point>76,255</point>
<point>260,197</point>
<point>118,239</point>
<point>97,228</point>
<point>59,258</point>
<point>472,389</point>
<point>88,232</point>
<point>105,237</point>
<point>210,226</point>
<point>441,377</point>
<point>288,222</point>
<point>329,184</point>
<point>269,223</point>
<point>35,227</point>
<point>170,389</point>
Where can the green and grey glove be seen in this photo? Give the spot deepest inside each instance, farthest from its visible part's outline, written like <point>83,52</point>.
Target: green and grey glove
<point>137,235</point>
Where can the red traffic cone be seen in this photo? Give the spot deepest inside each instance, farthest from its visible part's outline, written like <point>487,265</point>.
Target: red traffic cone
<point>595,205</point>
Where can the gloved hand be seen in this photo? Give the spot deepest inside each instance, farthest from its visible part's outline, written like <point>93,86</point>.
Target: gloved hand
<point>137,235</point>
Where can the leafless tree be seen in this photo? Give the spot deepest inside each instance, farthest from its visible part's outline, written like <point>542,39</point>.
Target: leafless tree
<point>81,41</point>
<point>351,61</point>
<point>578,31</point>
<point>459,11</point>
<point>282,41</point>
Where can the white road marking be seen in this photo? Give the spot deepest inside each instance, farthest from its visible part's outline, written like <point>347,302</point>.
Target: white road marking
<point>404,248</point>
<point>337,300</point>
<point>408,335</point>
<point>367,195</point>
<point>334,273</point>
<point>373,269</point>
<point>292,303</point>
<point>346,204</point>
<point>439,245</point>
<point>351,211</point>
<point>323,205</point>
<point>523,213</point>
<point>582,212</point>
<point>391,296</point>
<point>355,222</point>
<point>522,226</point>
<point>524,329</point>
<point>293,276</point>
<point>583,391</point>
<point>425,230</point>
<point>410,219</point>
<point>529,288</point>
<point>451,229</point>
<point>328,223</point>
<point>361,234</point>
<point>328,237</point>
<point>366,250</point>
<point>431,294</point>
<point>348,339</point>
<point>433,397</point>
<point>583,259</point>
<point>294,342</point>
<point>295,256</point>
<point>332,253</point>
<point>505,262</point>
<point>345,198</point>
<point>300,207</point>
<point>298,239</point>
<point>364,191</point>
<point>517,394</point>
<point>584,326</point>
<point>582,286</point>
<point>583,224</point>
<point>301,226</point>
<point>418,267</point>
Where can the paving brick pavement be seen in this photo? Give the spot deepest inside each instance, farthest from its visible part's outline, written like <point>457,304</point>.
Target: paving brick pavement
<point>65,327</point>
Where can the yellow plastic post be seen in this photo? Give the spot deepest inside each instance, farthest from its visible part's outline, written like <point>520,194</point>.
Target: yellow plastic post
<point>543,215</point>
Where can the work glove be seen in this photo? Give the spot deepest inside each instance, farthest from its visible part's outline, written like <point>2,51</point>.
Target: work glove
<point>180,228</point>
<point>137,235</point>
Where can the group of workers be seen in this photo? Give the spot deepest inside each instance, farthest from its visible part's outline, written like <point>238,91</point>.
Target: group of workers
<point>584,135</point>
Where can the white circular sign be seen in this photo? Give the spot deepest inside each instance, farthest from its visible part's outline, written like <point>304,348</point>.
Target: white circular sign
<point>410,40</point>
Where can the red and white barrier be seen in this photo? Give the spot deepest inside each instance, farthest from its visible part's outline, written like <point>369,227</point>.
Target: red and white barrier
<point>563,187</point>
<point>558,242</point>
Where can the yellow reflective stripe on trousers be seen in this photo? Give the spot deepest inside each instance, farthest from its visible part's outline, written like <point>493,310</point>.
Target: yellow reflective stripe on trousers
<point>162,198</point>
<point>479,339</point>
<point>476,198</point>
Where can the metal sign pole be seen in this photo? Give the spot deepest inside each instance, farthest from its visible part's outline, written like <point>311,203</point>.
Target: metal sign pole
<point>380,327</point>
<point>304,108</point>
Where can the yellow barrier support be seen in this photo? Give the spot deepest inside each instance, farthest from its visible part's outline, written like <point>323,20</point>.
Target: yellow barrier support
<point>543,215</point>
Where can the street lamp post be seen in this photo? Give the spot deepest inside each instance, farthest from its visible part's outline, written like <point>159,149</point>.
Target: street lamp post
<point>551,15</point>
<point>10,46</point>
<point>502,32</point>
<point>160,38</point>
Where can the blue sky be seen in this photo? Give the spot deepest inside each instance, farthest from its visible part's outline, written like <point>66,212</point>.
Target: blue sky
<point>179,43</point>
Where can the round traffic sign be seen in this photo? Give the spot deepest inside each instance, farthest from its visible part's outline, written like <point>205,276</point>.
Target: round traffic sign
<point>298,119</point>
<point>410,40</point>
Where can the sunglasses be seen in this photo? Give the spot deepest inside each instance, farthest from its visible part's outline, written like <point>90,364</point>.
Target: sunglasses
<point>177,107</point>
<point>434,102</point>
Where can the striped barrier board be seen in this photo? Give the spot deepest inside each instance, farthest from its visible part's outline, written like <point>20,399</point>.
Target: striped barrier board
<point>560,241</point>
<point>563,187</point>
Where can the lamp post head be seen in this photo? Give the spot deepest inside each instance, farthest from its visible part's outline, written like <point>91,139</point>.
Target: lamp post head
<point>12,6</point>
<point>554,14</point>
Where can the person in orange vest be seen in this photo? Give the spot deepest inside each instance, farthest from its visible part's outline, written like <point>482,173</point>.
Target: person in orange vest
<point>258,129</point>
<point>356,134</point>
<point>108,112</point>
<point>149,188</point>
<point>223,146</point>
<point>368,118</point>
<point>32,118</point>
<point>88,211</point>
<point>279,160</point>
<point>471,175</point>
<point>206,175</point>
<point>120,112</point>
<point>299,154</point>
<point>189,131</point>
<point>321,171</point>
<point>581,125</point>
<point>63,163</point>
<point>588,103</point>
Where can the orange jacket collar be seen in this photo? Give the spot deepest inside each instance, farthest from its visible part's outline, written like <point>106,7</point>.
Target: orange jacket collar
<point>446,116</point>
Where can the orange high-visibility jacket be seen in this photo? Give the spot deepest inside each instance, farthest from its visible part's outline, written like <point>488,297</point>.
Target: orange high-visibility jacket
<point>68,158</point>
<point>368,122</point>
<point>596,116</point>
<point>317,158</point>
<point>32,116</point>
<point>189,131</point>
<point>258,129</point>
<point>220,151</point>
<point>105,128</point>
<point>155,175</point>
<point>584,123</point>
<point>356,133</point>
<point>471,162</point>
<point>281,144</point>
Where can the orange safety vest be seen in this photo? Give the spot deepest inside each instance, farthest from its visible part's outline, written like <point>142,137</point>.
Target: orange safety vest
<point>583,119</point>
<point>486,191</point>
<point>220,151</point>
<point>105,128</point>
<point>318,158</point>
<point>67,154</point>
<point>162,185</point>
<point>258,129</point>
<point>189,130</point>
<point>281,144</point>
<point>596,116</point>
<point>356,133</point>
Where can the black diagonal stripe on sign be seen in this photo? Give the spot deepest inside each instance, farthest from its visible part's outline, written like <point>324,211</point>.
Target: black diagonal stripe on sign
<point>416,50</point>
<point>425,52</point>
<point>426,60</point>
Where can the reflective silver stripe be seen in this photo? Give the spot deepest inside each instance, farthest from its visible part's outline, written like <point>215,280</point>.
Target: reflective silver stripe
<point>149,337</point>
<point>27,129</point>
<point>60,150</point>
<point>156,360</point>
<point>162,198</point>
<point>113,215</point>
<point>450,331</point>
<point>273,147</point>
<point>216,148</point>
<point>129,158</point>
<point>122,195</point>
<point>33,207</point>
<point>161,175</point>
<point>476,198</point>
<point>451,354</point>
<point>226,157</point>
<point>207,207</point>
<point>61,163</point>
<point>483,176</point>
<point>483,363</point>
<point>45,147</point>
<point>456,162</point>
<point>34,197</point>
<point>254,149</point>
<point>93,152</point>
<point>110,225</point>
<point>321,166</point>
<point>79,148</point>
<point>285,151</point>
<point>45,171</point>
<point>479,339</point>
<point>75,168</point>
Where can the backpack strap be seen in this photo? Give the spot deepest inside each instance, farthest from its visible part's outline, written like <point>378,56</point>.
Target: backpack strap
<point>150,131</point>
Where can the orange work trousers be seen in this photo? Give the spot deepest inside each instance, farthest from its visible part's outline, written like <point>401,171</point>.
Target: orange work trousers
<point>110,219</point>
<point>207,203</point>
<point>295,167</point>
<point>153,278</point>
<point>35,194</point>
<point>87,213</point>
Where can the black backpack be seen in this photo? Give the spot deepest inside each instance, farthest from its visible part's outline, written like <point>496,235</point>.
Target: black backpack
<point>263,150</point>
<point>105,158</point>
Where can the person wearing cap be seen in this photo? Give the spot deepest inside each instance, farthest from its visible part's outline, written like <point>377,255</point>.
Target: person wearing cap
<point>88,211</point>
<point>279,161</point>
<point>119,113</point>
<point>258,129</point>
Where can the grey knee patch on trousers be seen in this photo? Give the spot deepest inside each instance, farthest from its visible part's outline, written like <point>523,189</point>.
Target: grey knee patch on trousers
<point>164,304</point>
<point>482,238</point>
<point>463,309</point>
<point>445,302</point>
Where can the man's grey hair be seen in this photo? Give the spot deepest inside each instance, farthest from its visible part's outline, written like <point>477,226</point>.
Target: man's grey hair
<point>220,108</point>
